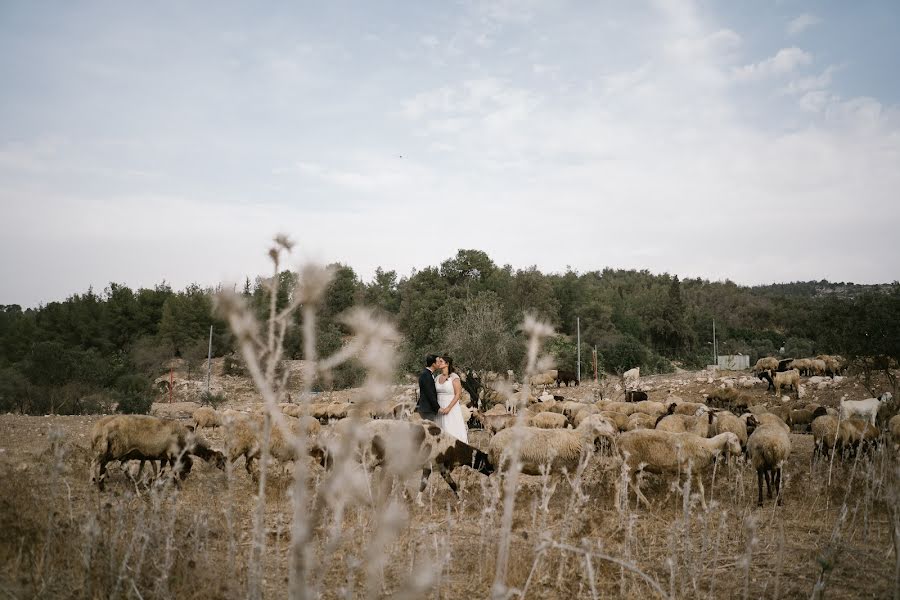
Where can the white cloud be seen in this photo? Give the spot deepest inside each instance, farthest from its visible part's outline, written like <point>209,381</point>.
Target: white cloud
<point>802,23</point>
<point>785,61</point>
<point>814,82</point>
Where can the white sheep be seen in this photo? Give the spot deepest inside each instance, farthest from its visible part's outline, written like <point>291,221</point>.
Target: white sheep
<point>766,364</point>
<point>769,447</point>
<point>631,376</point>
<point>865,409</point>
<point>650,407</point>
<point>663,452</point>
<point>699,425</point>
<point>726,421</point>
<point>640,421</point>
<point>548,420</point>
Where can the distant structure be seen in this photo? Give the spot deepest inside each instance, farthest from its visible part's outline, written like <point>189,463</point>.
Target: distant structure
<point>733,362</point>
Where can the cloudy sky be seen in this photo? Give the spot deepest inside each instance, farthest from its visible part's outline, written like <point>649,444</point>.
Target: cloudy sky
<point>142,142</point>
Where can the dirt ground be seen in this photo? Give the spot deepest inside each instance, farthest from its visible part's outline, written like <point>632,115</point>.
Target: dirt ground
<point>835,535</point>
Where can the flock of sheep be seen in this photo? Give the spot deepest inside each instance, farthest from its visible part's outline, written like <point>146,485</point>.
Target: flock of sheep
<point>671,437</point>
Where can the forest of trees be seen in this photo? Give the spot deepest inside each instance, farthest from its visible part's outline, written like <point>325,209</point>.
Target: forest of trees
<point>91,349</point>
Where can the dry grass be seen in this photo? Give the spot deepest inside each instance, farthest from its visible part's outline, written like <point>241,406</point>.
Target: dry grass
<point>305,532</point>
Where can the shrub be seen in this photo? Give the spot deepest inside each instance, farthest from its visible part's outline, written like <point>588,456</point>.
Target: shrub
<point>232,365</point>
<point>214,400</point>
<point>134,394</point>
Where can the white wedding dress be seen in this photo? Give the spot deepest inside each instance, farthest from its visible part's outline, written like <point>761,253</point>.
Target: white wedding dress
<point>452,422</point>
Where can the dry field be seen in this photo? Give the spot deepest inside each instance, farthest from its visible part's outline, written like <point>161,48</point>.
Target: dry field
<point>835,536</point>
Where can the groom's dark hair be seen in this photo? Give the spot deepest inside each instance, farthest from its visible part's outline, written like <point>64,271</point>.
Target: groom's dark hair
<point>429,359</point>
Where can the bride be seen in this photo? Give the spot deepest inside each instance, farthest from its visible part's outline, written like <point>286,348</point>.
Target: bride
<point>449,389</point>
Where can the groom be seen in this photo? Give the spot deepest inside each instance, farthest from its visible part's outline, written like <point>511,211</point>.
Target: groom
<point>428,406</point>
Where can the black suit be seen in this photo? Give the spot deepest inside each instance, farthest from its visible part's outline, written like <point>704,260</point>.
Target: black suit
<point>428,405</point>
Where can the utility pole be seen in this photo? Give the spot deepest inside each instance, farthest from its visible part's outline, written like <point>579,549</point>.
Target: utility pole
<point>595,364</point>
<point>715,346</point>
<point>578,328</point>
<point>209,361</point>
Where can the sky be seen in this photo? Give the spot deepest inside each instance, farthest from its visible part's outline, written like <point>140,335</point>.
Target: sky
<point>171,141</point>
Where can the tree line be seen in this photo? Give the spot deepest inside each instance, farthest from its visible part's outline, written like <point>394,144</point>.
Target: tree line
<point>92,349</point>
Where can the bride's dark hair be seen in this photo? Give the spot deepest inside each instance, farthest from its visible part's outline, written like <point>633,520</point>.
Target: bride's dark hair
<point>449,360</point>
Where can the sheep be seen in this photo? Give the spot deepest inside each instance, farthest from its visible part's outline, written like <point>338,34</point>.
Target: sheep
<point>817,366</point>
<point>728,398</point>
<point>766,364</point>
<point>568,407</point>
<point>493,423</point>
<point>784,379</point>
<point>635,396</point>
<point>773,419</point>
<point>689,408</point>
<point>769,447</point>
<point>726,421</point>
<point>620,420</point>
<point>640,421</point>
<point>632,375</point>
<point>802,365</point>
<point>698,425</point>
<point>142,437</point>
<point>650,407</point>
<point>558,449</point>
<point>566,377</point>
<point>401,447</point>
<point>243,438</point>
<point>206,417</point>
<point>548,420</point>
<point>829,432</point>
<point>866,409</point>
<point>664,452</point>
<point>578,417</point>
<point>544,379</point>
<point>804,416</point>
<point>863,435</point>
<point>626,408</point>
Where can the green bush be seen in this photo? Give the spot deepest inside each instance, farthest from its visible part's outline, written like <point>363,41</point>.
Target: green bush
<point>134,394</point>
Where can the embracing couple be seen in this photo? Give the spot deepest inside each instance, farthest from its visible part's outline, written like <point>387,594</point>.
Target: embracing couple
<point>439,394</point>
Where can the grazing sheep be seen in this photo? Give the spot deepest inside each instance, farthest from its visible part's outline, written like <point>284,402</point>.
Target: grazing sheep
<point>577,418</point>
<point>770,418</point>
<point>640,421</point>
<point>828,432</point>
<point>728,398</point>
<point>548,420</point>
<point>566,377</point>
<point>803,366</point>
<point>783,379</point>
<point>863,435</point>
<point>492,423</point>
<point>635,396</point>
<point>650,407</point>
<point>726,421</point>
<point>626,408</point>
<point>766,364</point>
<point>243,438</point>
<point>689,408</point>
<point>663,452</point>
<point>544,379</point>
<point>769,447</point>
<point>206,417</point>
<point>817,366</point>
<point>699,425</point>
<point>561,449</point>
<point>804,417</point>
<point>620,420</point>
<point>894,428</point>
<point>865,409</point>
<point>142,437</point>
<point>401,447</point>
